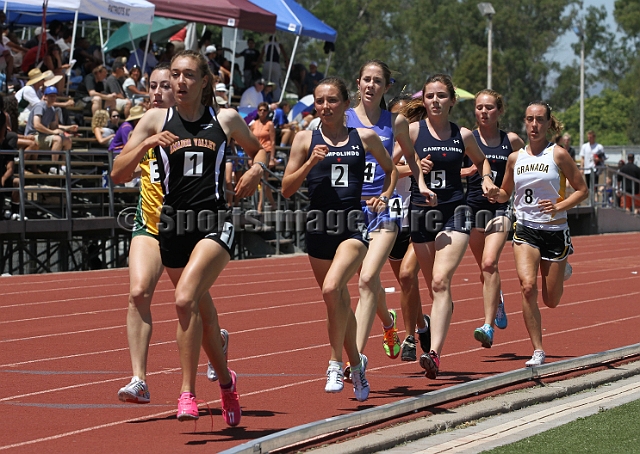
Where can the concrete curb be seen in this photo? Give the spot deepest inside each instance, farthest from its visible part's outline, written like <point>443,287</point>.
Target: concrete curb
<point>423,427</point>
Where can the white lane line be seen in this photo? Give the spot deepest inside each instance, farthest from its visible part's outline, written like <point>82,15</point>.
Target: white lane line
<point>529,422</point>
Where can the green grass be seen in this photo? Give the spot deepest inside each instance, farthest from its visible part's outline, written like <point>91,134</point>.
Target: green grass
<point>611,431</point>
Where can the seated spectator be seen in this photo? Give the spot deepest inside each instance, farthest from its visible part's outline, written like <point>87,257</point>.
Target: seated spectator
<point>100,127</point>
<point>252,96</point>
<point>31,94</point>
<point>26,143</point>
<point>43,124</point>
<point>91,91</point>
<point>10,41</point>
<point>137,57</point>
<point>285,131</point>
<point>8,141</point>
<point>53,62</point>
<point>312,78</point>
<point>64,43</point>
<point>267,93</point>
<point>134,88</point>
<point>167,55</point>
<point>85,61</point>
<point>114,120</point>
<point>222,92</point>
<point>124,131</point>
<point>238,81</point>
<point>112,86</point>
<point>6,60</point>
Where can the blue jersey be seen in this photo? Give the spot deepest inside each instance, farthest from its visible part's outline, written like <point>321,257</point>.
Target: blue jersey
<point>335,183</point>
<point>373,173</point>
<point>447,156</point>
<point>497,157</point>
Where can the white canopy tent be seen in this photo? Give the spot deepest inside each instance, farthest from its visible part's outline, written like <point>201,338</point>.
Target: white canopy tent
<point>138,11</point>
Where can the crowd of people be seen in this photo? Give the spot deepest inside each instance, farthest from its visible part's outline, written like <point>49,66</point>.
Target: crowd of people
<point>391,175</point>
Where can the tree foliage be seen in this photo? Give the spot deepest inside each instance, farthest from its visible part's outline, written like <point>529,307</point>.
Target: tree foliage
<point>418,38</point>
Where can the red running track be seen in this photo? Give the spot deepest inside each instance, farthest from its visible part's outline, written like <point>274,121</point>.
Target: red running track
<point>64,354</point>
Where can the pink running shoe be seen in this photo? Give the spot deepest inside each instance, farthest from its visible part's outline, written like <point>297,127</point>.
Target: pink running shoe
<point>230,403</point>
<point>187,407</point>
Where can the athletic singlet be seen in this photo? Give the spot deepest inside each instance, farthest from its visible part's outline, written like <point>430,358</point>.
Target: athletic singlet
<point>192,168</point>
<point>373,174</point>
<point>447,156</point>
<point>537,178</point>
<point>335,183</point>
<point>497,157</point>
<point>150,200</point>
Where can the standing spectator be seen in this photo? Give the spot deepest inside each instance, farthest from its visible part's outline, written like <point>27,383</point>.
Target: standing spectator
<point>137,58</point>
<point>592,154</point>
<point>264,131</point>
<point>43,124</point>
<point>124,131</point>
<point>566,144</point>
<point>271,55</point>
<point>252,96</point>
<point>134,88</point>
<point>113,87</point>
<point>312,78</point>
<point>631,189</point>
<point>210,53</point>
<point>167,55</point>
<point>251,56</point>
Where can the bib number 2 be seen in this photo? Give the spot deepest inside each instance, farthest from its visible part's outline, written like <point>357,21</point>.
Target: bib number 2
<point>339,175</point>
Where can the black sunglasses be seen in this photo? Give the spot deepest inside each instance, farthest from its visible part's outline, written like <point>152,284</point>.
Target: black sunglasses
<point>115,116</point>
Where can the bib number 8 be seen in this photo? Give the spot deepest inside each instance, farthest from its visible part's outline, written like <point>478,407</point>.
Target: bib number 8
<point>193,163</point>
<point>339,175</point>
<point>438,179</point>
<point>528,196</point>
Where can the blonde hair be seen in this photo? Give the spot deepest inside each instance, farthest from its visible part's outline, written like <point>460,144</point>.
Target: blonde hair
<point>100,119</point>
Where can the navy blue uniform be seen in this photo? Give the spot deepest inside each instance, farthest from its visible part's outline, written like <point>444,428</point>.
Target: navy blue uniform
<point>444,179</point>
<point>497,157</point>
<point>192,177</point>
<point>335,188</point>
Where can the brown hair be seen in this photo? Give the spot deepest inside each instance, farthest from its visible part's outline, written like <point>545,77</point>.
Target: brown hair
<point>415,110</point>
<point>338,83</point>
<point>208,90</point>
<point>495,95</point>
<point>555,127</point>
<point>386,72</point>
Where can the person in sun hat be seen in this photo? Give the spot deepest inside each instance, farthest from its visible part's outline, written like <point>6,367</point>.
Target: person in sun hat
<point>31,94</point>
<point>125,129</point>
<point>222,92</point>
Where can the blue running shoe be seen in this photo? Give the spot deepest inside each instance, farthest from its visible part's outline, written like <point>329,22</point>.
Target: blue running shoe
<point>484,335</point>
<point>501,316</point>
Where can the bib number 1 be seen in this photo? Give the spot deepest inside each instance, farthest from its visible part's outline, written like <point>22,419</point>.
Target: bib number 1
<point>193,163</point>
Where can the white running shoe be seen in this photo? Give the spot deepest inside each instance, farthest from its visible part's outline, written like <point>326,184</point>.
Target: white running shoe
<point>568,271</point>
<point>135,392</point>
<point>360,383</point>
<point>211,372</point>
<point>537,359</point>
<point>335,379</point>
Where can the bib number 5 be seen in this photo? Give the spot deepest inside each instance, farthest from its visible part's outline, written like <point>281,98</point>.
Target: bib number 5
<point>438,179</point>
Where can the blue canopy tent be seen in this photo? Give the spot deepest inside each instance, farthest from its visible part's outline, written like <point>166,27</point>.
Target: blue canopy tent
<point>293,18</point>
<point>25,14</point>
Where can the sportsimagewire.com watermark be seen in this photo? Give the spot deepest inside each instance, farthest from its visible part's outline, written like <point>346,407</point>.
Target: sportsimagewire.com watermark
<point>332,222</point>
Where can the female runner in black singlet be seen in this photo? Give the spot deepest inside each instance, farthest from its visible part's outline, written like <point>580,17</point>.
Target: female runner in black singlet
<point>332,159</point>
<point>439,233</point>
<point>191,140</point>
